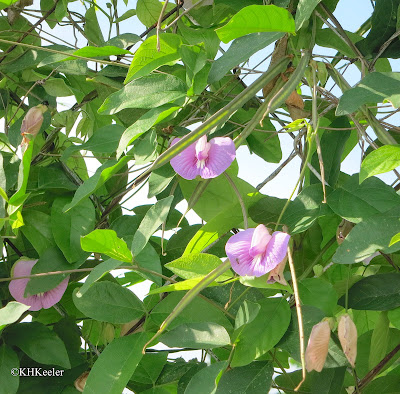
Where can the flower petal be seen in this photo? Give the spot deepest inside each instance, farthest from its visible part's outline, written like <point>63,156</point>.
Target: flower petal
<point>23,267</point>
<point>237,249</point>
<point>51,297</point>
<point>220,156</point>
<point>276,250</point>
<point>317,347</point>
<point>260,240</point>
<point>185,163</point>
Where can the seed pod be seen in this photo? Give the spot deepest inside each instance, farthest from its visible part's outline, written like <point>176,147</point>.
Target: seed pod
<point>317,347</point>
<point>347,333</point>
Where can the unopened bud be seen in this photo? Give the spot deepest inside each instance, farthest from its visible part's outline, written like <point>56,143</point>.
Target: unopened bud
<point>317,347</point>
<point>32,122</point>
<point>81,381</point>
<point>347,333</point>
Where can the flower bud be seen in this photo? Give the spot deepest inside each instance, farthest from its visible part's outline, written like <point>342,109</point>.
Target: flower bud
<point>80,382</point>
<point>317,347</point>
<point>32,122</point>
<point>347,333</point>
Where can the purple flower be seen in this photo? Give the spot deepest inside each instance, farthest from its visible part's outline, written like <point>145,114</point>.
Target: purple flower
<point>207,159</point>
<point>38,301</point>
<point>255,252</point>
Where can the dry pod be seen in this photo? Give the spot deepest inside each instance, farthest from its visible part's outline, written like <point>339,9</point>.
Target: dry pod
<point>347,333</point>
<point>317,347</point>
<point>81,381</point>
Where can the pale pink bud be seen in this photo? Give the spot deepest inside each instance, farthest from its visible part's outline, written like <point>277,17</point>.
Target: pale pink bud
<point>33,121</point>
<point>317,347</point>
<point>276,275</point>
<point>347,332</point>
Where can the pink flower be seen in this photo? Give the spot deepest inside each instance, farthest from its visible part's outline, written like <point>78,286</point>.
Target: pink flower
<point>347,332</point>
<point>32,122</point>
<point>255,252</point>
<point>207,159</point>
<point>317,347</point>
<point>17,287</point>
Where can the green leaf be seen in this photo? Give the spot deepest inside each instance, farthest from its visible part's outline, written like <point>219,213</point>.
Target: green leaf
<point>11,313</point>
<point>375,293</point>
<point>257,18</point>
<point>395,239</point>
<point>375,87</point>
<point>149,258</point>
<point>69,227</point>
<point>247,312</point>
<point>328,38</point>
<point>117,362</point>
<point>255,378</point>
<point>5,4</point>
<point>379,340</point>
<point>267,209</point>
<point>37,229</point>
<point>107,242</point>
<point>143,124</point>
<point>187,284</point>
<point>57,87</point>
<point>196,265</point>
<point>98,272</point>
<point>150,367</point>
<point>203,335</point>
<point>104,140</point>
<point>261,335</point>
<point>369,236</point>
<point>38,342</point>
<point>146,92</point>
<point>198,312</point>
<point>126,15</point>
<point>160,179</point>
<point>102,174</point>
<point>54,177</point>
<point>109,302</point>
<point>205,381</point>
<point>8,361</point>
<point>51,260</point>
<point>103,51</point>
<point>92,28</point>
<point>155,216</point>
<point>319,293</point>
<point>239,51</point>
<point>384,384</point>
<point>355,202</point>
<point>384,159</point>
<point>304,10</point>
<point>306,208</point>
<point>266,146</point>
<point>328,381</point>
<point>148,11</point>
<point>147,58</point>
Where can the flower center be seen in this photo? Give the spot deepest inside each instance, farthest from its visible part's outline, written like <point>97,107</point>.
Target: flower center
<point>202,149</point>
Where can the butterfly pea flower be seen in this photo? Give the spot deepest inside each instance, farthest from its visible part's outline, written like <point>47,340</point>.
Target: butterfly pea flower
<point>46,300</point>
<point>317,347</point>
<point>276,275</point>
<point>255,251</point>
<point>207,159</point>
<point>32,122</point>
<point>347,333</point>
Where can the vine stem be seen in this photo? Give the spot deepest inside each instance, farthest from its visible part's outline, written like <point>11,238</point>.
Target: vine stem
<point>303,170</point>
<point>299,317</point>
<point>241,202</point>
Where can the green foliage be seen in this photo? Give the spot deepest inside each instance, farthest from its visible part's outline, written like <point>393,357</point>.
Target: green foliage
<point>144,271</point>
